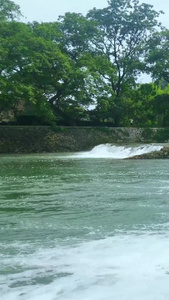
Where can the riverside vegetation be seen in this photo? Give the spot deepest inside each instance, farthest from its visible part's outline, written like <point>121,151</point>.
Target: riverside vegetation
<point>52,72</point>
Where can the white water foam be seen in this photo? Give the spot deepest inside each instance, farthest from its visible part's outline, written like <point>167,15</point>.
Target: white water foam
<point>118,152</point>
<point>122,268</point>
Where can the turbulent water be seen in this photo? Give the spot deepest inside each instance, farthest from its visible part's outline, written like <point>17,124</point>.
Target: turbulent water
<point>86,226</point>
<point>118,152</point>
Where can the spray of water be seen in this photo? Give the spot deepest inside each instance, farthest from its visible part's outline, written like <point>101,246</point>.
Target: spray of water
<point>118,152</point>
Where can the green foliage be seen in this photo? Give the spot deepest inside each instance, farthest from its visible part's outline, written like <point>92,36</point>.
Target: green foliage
<point>77,34</point>
<point>141,108</point>
<point>161,108</point>
<point>9,10</point>
<point>57,70</point>
<point>162,135</point>
<point>31,67</point>
<point>123,30</point>
<point>158,56</point>
<point>124,27</point>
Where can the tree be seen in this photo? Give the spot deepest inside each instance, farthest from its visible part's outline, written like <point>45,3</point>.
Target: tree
<point>79,39</point>
<point>158,56</point>
<point>78,34</point>
<point>75,91</point>
<point>161,107</point>
<point>72,93</point>
<point>9,10</point>
<point>125,27</point>
<point>31,67</point>
<point>64,66</point>
<point>34,68</point>
<point>142,109</point>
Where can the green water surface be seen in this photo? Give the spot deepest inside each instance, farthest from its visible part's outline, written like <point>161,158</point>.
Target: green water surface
<point>48,197</point>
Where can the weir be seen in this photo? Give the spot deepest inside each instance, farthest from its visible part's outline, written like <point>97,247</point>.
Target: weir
<point>118,152</point>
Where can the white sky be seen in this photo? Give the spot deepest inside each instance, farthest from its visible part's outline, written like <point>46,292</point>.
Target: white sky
<point>49,10</point>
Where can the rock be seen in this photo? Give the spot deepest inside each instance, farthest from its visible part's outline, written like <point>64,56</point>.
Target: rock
<point>162,154</point>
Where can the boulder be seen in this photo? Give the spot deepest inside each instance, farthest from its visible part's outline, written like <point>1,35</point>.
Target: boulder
<point>162,154</point>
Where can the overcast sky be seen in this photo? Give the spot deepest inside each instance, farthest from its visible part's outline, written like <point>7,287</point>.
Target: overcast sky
<point>49,10</point>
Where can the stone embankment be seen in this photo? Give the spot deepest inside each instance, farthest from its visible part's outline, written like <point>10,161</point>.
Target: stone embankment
<point>39,139</point>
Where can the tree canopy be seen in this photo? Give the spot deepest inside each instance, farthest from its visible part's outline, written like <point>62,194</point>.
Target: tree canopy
<point>9,10</point>
<point>62,68</point>
<point>158,55</point>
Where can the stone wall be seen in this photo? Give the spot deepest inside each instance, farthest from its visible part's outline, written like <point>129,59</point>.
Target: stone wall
<point>34,139</point>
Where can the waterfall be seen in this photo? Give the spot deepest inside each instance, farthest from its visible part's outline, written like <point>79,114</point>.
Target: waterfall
<point>118,152</point>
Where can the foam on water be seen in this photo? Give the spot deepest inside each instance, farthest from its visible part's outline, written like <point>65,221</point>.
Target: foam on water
<point>122,267</point>
<point>118,152</point>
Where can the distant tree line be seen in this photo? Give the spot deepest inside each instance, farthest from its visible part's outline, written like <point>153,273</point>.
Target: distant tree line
<point>84,69</point>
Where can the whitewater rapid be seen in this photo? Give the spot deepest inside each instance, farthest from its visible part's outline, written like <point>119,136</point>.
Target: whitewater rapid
<point>118,152</point>
<point>120,267</point>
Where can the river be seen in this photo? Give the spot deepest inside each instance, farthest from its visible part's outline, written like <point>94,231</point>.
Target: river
<point>85,226</point>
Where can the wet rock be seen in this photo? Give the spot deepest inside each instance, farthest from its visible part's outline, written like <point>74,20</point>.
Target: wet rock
<point>162,154</point>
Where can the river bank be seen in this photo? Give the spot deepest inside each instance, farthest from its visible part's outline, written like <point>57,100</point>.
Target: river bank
<point>39,139</point>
